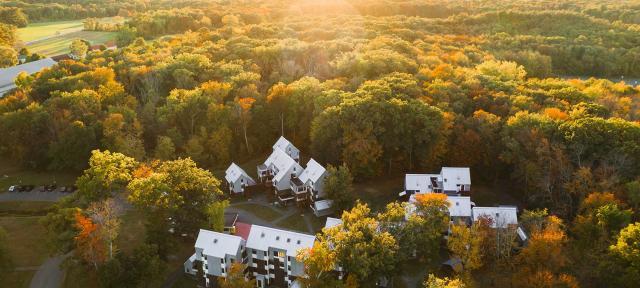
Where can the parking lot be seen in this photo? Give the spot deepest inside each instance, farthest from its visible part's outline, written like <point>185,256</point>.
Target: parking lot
<point>37,193</point>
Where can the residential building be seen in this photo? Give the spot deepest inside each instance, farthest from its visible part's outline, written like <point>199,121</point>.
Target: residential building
<point>278,170</point>
<point>268,253</point>
<point>215,253</point>
<point>309,184</point>
<point>8,75</point>
<point>501,216</point>
<point>460,208</point>
<point>286,146</point>
<point>237,179</point>
<point>451,180</point>
<point>271,255</point>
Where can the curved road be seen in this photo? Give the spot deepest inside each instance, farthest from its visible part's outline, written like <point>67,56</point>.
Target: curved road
<point>49,275</point>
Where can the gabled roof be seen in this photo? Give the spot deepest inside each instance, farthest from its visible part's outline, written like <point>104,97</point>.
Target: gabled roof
<point>283,144</point>
<point>282,162</point>
<point>460,206</point>
<point>262,238</point>
<point>218,244</point>
<point>419,182</point>
<point>332,222</point>
<point>234,172</point>
<point>313,172</point>
<point>452,176</point>
<point>502,216</point>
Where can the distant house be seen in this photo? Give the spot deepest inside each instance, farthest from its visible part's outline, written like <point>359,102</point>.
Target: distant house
<point>286,146</point>
<point>8,75</point>
<point>310,183</point>
<point>237,179</point>
<point>451,180</point>
<point>271,255</point>
<point>215,253</point>
<point>501,216</point>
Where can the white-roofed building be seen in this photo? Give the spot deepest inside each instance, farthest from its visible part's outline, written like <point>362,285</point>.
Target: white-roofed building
<point>332,222</point>
<point>215,253</point>
<point>8,75</point>
<point>279,169</point>
<point>310,183</point>
<point>322,207</point>
<point>501,216</point>
<point>455,179</point>
<point>275,251</point>
<point>237,179</point>
<point>286,146</point>
<point>419,183</point>
<point>451,180</point>
<point>460,206</point>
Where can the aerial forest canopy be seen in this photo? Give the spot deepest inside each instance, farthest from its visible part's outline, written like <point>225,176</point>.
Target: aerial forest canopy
<point>381,86</point>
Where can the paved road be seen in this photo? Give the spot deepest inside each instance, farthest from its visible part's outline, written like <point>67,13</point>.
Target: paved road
<point>31,196</point>
<point>49,275</point>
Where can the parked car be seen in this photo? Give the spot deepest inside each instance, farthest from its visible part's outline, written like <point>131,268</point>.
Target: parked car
<point>13,188</point>
<point>28,188</point>
<point>22,188</point>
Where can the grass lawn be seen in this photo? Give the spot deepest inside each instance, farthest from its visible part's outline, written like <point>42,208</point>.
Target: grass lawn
<point>294,222</point>
<point>380,191</point>
<point>36,31</point>
<point>260,211</point>
<point>10,175</point>
<point>17,279</point>
<point>60,45</point>
<point>132,231</point>
<point>25,238</point>
<point>79,276</point>
<point>14,208</point>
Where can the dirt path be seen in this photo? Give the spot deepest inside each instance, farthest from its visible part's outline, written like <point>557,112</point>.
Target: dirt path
<point>49,275</point>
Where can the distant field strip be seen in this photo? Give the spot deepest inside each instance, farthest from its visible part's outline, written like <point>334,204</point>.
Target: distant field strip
<point>59,45</point>
<point>37,31</point>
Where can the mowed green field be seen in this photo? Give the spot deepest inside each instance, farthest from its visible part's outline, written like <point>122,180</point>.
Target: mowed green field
<point>54,38</point>
<point>37,31</point>
<point>60,45</point>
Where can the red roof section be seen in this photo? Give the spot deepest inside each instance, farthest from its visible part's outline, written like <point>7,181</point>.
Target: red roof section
<point>242,230</point>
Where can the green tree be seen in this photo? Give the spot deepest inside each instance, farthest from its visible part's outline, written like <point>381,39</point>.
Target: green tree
<point>361,249</point>
<point>319,263</point>
<point>165,150</point>
<point>79,48</point>
<point>338,185</point>
<point>8,56</point>
<point>107,173</point>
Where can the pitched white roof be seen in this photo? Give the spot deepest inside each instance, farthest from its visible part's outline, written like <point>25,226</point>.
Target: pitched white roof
<point>323,204</point>
<point>452,176</point>
<point>218,244</point>
<point>332,222</point>
<point>262,238</point>
<point>9,75</point>
<point>460,206</point>
<point>234,172</point>
<point>282,162</point>
<point>313,172</point>
<point>502,216</point>
<point>418,182</point>
<point>283,144</point>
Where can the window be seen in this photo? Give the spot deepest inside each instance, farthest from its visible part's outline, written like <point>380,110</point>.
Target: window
<point>232,260</point>
<point>222,270</point>
<point>280,254</point>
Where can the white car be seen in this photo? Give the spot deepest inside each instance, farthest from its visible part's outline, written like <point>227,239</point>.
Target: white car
<point>13,188</point>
